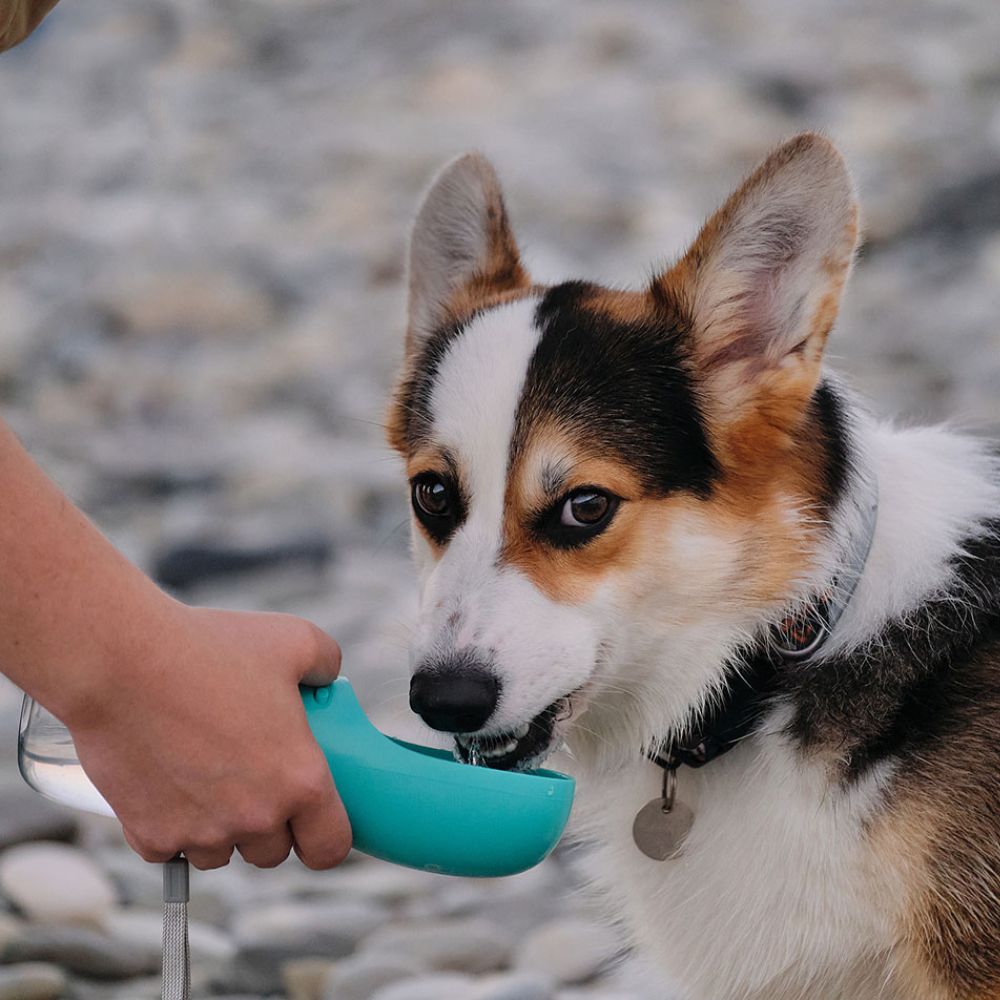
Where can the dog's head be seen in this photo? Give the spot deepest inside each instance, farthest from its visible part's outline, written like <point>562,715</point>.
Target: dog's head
<point>609,487</point>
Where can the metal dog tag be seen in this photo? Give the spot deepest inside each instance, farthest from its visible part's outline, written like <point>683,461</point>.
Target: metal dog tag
<point>662,825</point>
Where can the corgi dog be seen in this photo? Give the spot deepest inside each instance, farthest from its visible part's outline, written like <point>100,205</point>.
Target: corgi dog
<point>652,526</point>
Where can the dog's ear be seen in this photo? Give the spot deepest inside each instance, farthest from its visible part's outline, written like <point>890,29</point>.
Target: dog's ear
<point>462,249</point>
<point>761,285</point>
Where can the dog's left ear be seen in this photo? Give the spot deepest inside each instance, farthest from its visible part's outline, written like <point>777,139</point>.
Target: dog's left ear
<point>761,285</point>
<point>462,250</point>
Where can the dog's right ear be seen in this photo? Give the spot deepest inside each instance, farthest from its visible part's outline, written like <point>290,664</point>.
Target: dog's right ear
<point>462,249</point>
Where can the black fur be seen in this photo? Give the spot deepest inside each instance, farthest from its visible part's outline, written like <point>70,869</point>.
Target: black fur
<point>625,387</point>
<point>827,414</point>
<point>908,692</point>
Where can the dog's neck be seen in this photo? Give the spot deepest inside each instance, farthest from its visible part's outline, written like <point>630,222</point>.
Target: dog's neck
<point>799,637</point>
<point>935,489</point>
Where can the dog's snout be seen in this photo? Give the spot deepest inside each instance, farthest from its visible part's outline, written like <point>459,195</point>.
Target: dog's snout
<point>454,698</point>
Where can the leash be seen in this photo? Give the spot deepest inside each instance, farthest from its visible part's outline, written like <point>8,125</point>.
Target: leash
<point>176,984</point>
<point>662,825</point>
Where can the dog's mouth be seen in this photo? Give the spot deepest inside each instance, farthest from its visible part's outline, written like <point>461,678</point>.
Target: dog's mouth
<point>514,749</point>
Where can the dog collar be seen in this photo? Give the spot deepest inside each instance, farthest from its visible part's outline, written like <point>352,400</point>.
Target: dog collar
<point>796,638</point>
<point>661,826</point>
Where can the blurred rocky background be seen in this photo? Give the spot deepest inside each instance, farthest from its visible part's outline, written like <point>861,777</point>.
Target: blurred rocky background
<point>203,215</point>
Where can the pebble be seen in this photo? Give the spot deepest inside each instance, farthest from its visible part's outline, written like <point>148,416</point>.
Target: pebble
<point>80,950</point>
<point>270,938</point>
<point>514,986</point>
<point>475,945</point>
<point>331,929</point>
<point>55,882</point>
<point>10,929</point>
<point>387,884</point>
<point>143,929</point>
<point>434,986</point>
<point>569,949</point>
<point>31,981</point>
<point>187,565</point>
<point>359,977</point>
<point>25,816</point>
<point>306,978</point>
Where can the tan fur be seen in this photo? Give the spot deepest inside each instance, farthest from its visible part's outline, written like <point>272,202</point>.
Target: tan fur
<point>741,358</point>
<point>769,463</point>
<point>938,833</point>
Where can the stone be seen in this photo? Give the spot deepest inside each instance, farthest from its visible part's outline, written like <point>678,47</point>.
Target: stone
<point>474,945</point>
<point>31,981</point>
<point>306,978</point>
<point>432,986</point>
<point>270,937</point>
<point>357,978</point>
<point>185,566</point>
<point>137,883</point>
<point>79,950</point>
<point>10,929</point>
<point>143,930</point>
<point>140,988</point>
<point>25,816</point>
<point>388,884</point>
<point>55,882</point>
<point>603,993</point>
<point>331,927</point>
<point>185,302</point>
<point>569,949</point>
<point>515,986</point>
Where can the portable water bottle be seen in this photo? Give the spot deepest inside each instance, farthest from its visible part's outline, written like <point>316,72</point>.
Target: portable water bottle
<point>408,804</point>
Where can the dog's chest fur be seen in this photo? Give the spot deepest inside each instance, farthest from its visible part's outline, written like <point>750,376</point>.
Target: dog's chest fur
<point>776,867</point>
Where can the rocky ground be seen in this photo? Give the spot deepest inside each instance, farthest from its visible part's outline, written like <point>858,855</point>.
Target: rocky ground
<point>203,210</point>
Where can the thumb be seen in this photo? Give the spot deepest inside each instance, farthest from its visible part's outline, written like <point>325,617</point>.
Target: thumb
<point>321,665</point>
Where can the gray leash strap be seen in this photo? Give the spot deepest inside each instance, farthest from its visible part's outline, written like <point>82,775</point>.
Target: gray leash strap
<point>176,950</point>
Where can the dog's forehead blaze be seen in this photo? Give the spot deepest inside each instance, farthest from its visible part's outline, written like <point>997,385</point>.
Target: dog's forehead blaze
<point>469,300</point>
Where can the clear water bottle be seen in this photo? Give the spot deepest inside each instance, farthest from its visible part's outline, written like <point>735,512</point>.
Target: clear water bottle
<point>48,762</point>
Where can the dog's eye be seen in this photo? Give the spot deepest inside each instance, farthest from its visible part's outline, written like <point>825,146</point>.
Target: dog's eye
<point>585,509</point>
<point>431,497</point>
<point>578,517</point>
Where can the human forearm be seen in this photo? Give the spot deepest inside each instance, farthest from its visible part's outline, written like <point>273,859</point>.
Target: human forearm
<point>73,611</point>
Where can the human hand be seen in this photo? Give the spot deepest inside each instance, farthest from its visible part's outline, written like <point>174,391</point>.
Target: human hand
<point>202,744</point>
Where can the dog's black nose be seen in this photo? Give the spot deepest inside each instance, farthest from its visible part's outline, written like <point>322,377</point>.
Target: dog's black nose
<point>454,699</point>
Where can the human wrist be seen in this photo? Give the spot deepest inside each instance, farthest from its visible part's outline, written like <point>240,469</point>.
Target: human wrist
<point>116,666</point>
